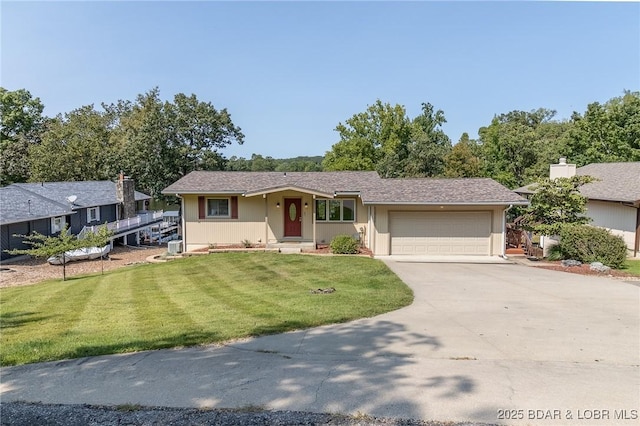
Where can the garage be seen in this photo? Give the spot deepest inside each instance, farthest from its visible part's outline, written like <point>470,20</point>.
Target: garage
<point>440,233</point>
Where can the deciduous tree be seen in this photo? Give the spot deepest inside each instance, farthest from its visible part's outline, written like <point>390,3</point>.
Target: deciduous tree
<point>21,122</point>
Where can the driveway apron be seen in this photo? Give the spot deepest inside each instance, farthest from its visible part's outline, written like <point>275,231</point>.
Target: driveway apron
<point>494,343</point>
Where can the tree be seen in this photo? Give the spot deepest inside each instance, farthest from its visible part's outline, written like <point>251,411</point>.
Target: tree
<point>516,144</point>
<point>45,246</point>
<point>100,238</point>
<point>608,132</point>
<point>429,144</point>
<point>463,160</point>
<point>21,122</point>
<point>556,203</point>
<point>75,147</point>
<point>385,139</point>
<point>159,142</point>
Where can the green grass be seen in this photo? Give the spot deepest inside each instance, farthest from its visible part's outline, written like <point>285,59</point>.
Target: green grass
<point>632,266</point>
<point>191,301</point>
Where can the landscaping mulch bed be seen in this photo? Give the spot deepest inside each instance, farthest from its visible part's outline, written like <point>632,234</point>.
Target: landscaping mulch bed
<point>31,270</point>
<point>584,269</point>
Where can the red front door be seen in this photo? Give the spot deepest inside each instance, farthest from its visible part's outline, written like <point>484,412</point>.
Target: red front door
<point>292,217</point>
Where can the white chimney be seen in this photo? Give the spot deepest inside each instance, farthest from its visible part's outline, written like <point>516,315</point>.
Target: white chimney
<point>562,169</point>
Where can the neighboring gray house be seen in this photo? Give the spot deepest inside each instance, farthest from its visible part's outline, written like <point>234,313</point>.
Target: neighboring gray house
<point>46,207</point>
<point>613,199</point>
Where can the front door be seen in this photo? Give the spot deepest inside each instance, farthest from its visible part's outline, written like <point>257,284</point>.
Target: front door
<point>292,217</point>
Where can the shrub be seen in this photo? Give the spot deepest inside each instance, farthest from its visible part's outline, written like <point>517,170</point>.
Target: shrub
<point>555,253</point>
<point>590,244</point>
<point>344,244</point>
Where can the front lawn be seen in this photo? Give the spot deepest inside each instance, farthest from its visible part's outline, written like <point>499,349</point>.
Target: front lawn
<point>632,267</point>
<point>197,300</point>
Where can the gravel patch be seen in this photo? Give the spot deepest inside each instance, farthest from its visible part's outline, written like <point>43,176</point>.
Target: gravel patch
<point>27,271</point>
<point>23,413</point>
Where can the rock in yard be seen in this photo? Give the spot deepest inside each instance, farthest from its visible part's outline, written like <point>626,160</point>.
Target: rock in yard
<point>570,262</point>
<point>597,266</point>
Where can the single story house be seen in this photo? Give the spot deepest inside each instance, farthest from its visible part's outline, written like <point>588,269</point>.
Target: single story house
<point>613,198</point>
<point>389,216</point>
<point>45,207</point>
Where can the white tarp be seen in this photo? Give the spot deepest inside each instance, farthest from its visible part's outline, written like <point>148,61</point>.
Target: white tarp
<point>81,254</point>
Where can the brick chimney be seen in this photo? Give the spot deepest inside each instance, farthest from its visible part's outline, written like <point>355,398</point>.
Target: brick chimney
<point>562,169</point>
<point>125,193</point>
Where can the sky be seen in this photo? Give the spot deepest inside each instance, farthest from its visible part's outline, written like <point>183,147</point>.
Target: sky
<point>290,72</point>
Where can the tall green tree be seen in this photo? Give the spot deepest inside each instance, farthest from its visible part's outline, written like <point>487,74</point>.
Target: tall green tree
<point>21,122</point>
<point>606,132</point>
<point>516,144</point>
<point>429,145</point>
<point>159,142</point>
<point>376,139</point>
<point>75,147</point>
<point>385,139</point>
<point>464,159</point>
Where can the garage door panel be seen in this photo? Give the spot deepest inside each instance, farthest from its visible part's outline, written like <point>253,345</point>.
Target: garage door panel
<point>440,233</point>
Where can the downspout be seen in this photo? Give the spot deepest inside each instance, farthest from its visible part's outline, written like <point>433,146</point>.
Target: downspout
<point>636,246</point>
<point>370,225</point>
<point>266,220</point>
<point>183,224</point>
<point>504,231</point>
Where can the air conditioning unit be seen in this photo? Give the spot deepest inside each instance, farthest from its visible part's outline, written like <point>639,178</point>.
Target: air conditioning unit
<point>174,247</point>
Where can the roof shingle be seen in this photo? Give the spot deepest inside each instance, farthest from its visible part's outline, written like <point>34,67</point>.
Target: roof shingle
<point>372,188</point>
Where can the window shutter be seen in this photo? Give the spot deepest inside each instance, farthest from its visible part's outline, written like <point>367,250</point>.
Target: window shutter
<point>234,207</point>
<point>201,210</point>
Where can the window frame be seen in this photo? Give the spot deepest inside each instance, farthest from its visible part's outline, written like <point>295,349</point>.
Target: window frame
<point>97,215</point>
<point>327,210</point>
<point>209,216</point>
<point>57,228</point>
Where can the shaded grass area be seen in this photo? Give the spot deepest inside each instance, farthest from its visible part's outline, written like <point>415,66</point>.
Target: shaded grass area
<point>196,300</point>
<point>632,267</point>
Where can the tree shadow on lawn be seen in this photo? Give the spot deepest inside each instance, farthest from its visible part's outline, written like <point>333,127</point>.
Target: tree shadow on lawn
<point>19,319</point>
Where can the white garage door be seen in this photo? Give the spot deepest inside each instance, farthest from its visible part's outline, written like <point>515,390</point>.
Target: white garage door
<point>440,233</point>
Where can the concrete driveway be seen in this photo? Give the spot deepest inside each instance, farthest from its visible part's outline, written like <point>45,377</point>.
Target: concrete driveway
<point>494,343</point>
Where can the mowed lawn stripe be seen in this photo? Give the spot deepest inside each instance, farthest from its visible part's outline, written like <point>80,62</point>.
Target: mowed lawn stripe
<point>190,301</point>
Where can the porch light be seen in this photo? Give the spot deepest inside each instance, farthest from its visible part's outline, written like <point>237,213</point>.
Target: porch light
<point>278,204</point>
<point>306,205</point>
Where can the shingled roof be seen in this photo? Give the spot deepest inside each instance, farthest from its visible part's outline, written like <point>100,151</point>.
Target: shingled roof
<point>19,205</point>
<point>368,185</point>
<point>616,182</point>
<point>30,201</point>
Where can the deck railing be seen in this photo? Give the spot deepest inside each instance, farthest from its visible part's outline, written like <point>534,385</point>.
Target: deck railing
<point>123,225</point>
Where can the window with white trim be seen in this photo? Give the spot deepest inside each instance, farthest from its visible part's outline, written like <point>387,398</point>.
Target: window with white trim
<point>56,224</point>
<point>93,214</point>
<point>336,210</point>
<point>218,207</point>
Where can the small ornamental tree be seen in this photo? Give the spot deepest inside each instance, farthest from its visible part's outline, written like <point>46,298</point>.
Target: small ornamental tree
<point>46,246</point>
<point>555,203</point>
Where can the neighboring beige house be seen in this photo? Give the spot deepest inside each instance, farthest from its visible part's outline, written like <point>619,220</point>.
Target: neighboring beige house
<point>613,199</point>
<point>389,216</point>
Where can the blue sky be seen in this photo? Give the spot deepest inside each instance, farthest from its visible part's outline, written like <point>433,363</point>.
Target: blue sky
<point>289,72</point>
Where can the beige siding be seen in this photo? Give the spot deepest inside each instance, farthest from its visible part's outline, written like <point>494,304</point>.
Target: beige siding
<point>382,232</point>
<point>201,233</point>
<point>253,225</point>
<point>619,219</point>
